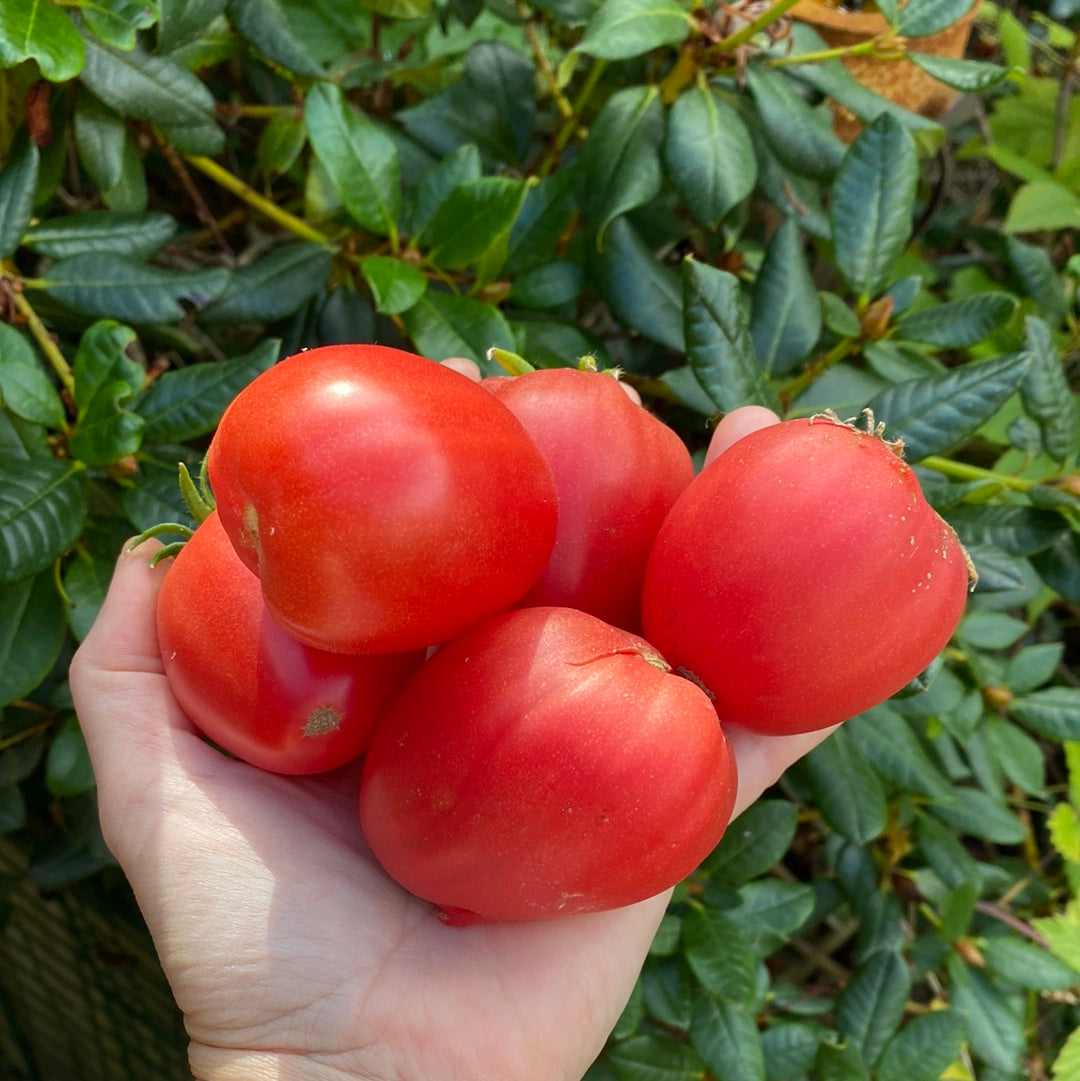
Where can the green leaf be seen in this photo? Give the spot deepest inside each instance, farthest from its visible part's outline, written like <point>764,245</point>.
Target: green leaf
<point>923,1049</point>
<point>32,629</point>
<point>991,630</point>
<point>67,764</point>
<point>86,581</point>
<point>871,1006</point>
<point>18,182</point>
<point>770,911</point>
<point>139,236</point>
<point>921,18</point>
<point>718,342</point>
<point>505,76</point>
<point>754,843</point>
<point>1038,277</point>
<point>980,814</point>
<point>846,789</point>
<point>1033,666</point>
<point>472,218</point>
<point>719,955</point>
<point>183,21</point>
<point>25,389</point>
<point>272,287</point>
<point>280,143</point>
<point>838,1061</point>
<point>119,21</point>
<point>883,737</point>
<point>12,811</point>
<point>1018,531</point>
<point>619,167</point>
<point>456,168</point>
<point>549,285</point>
<point>33,30</point>
<point>1053,712</point>
<point>105,381</point>
<point>1027,964</point>
<point>1066,1066</point>
<point>967,76</point>
<point>995,1022</point>
<point>621,29</point>
<point>872,203</point>
<point>43,505</point>
<point>186,403</point>
<point>1021,756</point>
<point>265,24</point>
<point>101,136</point>
<point>709,155</point>
<point>726,1036</point>
<point>839,317</point>
<point>801,137</point>
<point>668,994</point>
<point>1046,393</point>
<point>119,287</point>
<point>395,284</point>
<point>785,321</point>
<point>443,325</point>
<point>360,159</point>
<point>538,228</point>
<point>958,323</point>
<point>790,1048</point>
<point>935,413</point>
<point>1042,205</point>
<point>642,292</point>
<point>153,495</point>
<point>654,1057</point>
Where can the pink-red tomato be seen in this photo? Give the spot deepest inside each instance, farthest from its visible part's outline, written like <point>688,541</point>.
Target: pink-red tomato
<point>618,470</point>
<point>386,502</point>
<point>544,763</point>
<point>246,684</point>
<point>803,578</point>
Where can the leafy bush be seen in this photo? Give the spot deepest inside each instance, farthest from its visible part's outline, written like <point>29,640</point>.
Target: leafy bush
<point>192,188</point>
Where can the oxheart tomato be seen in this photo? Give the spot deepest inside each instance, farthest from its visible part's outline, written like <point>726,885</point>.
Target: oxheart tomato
<point>802,577</point>
<point>246,684</point>
<point>544,763</point>
<point>385,502</point>
<point>618,470</point>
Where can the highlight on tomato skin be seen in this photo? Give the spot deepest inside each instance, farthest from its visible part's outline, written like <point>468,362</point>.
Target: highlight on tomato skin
<point>246,684</point>
<point>803,577</point>
<point>545,763</point>
<point>386,502</point>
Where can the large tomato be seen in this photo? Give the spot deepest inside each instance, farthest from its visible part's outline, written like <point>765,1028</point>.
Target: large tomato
<point>802,577</point>
<point>617,468</point>
<point>246,684</point>
<point>385,501</point>
<point>544,763</point>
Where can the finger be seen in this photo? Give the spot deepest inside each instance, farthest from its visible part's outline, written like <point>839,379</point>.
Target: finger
<point>465,365</point>
<point>736,424</point>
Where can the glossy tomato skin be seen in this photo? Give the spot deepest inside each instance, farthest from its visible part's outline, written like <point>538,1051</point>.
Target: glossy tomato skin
<point>246,684</point>
<point>618,470</point>
<point>541,764</point>
<point>385,501</point>
<point>803,577</point>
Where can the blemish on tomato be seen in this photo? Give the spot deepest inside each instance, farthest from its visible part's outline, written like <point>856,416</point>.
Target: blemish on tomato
<point>322,720</point>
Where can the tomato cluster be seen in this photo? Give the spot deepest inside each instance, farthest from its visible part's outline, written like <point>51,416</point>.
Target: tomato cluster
<point>516,603</point>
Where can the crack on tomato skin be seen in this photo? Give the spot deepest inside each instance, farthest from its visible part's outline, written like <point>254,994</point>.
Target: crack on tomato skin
<point>695,679</point>
<point>250,523</point>
<point>321,721</point>
<point>650,656</point>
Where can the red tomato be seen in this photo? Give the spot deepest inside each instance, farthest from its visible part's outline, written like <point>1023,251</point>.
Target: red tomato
<point>385,502</point>
<point>545,763</point>
<point>803,578</point>
<point>617,468</point>
<point>246,684</point>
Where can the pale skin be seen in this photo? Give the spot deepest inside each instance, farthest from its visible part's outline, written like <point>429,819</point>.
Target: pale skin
<point>291,954</point>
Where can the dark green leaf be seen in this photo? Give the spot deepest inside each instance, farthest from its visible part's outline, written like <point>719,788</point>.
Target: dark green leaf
<point>101,136</point>
<point>991,630</point>
<point>958,323</point>
<point>1027,964</point>
<point>871,1006</point>
<point>280,143</point>
<point>32,30</point>
<point>967,76</point>
<point>1033,666</point>
<point>186,403</point>
<point>1038,278</point>
<point>1018,531</point>
<point>754,842</point>
<point>839,317</point>
<point>272,287</point>
<point>265,24</point>
<point>719,955</point>
<point>1053,712</point>
<point>541,222</point>
<point>471,219</point>
<point>846,789</point>
<point>462,115</point>
<point>1021,756</point>
<point>137,235</point>
<point>995,1021</point>
<point>18,182</point>
<point>67,764</point>
<point>957,911</point>
<point>456,168</point>
<point>979,814</point>
<point>119,287</point>
<point>726,1036</point>
<point>359,157</point>
<point>12,814</point>
<point>655,1057</point>
<point>923,1049</point>
<point>183,21</point>
<point>883,737</point>
<point>620,161</point>
<point>549,285</point>
<point>935,413</point>
<point>643,292</point>
<point>709,155</point>
<point>442,325</point>
<point>153,496</point>
<point>395,284</point>
<point>506,77</point>
<point>801,137</point>
<point>790,1048</point>
<point>944,853</point>
<point>718,342</point>
<point>43,505</point>
<point>921,18</point>
<point>206,139</point>
<point>25,389</point>
<point>1046,393</point>
<point>85,583</point>
<point>872,203</point>
<point>769,911</point>
<point>32,629</point>
<point>840,1062</point>
<point>785,321</point>
<point>119,21</point>
<point>621,29</point>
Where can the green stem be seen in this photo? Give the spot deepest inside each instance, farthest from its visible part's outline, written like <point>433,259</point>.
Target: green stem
<point>297,226</point>
<point>44,340</point>
<point>796,386</point>
<point>864,48</point>
<point>741,37</point>
<point>573,121</point>
<point>964,471</point>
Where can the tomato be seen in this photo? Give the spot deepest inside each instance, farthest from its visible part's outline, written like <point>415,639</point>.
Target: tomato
<point>544,763</point>
<point>617,468</point>
<point>246,684</point>
<point>803,577</point>
<point>385,502</point>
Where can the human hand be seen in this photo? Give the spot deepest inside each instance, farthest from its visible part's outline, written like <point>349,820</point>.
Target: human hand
<point>289,951</point>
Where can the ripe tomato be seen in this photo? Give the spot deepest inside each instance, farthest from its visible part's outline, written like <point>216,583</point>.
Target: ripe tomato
<point>803,578</point>
<point>617,468</point>
<point>246,684</point>
<point>386,502</point>
<point>544,762</point>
